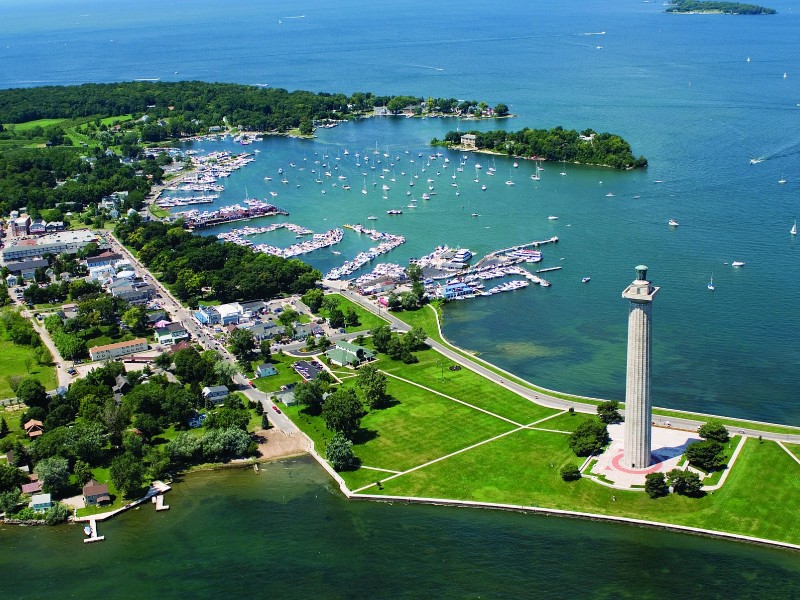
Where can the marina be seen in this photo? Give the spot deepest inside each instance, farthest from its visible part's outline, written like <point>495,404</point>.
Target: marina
<point>195,219</point>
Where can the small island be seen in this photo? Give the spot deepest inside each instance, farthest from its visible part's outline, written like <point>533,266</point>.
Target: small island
<point>587,147</point>
<point>721,8</point>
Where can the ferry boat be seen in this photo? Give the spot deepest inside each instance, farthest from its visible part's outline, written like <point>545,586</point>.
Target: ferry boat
<point>462,256</point>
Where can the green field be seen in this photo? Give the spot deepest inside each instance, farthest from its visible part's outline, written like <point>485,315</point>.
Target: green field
<point>286,374</point>
<point>19,360</point>
<point>31,124</point>
<point>367,320</point>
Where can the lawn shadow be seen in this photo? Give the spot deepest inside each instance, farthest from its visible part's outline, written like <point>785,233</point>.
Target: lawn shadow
<point>363,435</point>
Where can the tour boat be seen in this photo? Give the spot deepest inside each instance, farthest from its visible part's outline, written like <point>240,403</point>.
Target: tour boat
<point>673,223</point>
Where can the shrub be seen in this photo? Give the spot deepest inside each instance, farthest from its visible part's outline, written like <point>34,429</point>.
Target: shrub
<point>570,473</point>
<point>655,484</point>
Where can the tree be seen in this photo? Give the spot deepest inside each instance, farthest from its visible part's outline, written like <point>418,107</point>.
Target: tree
<point>135,318</point>
<point>225,418</point>
<point>11,477</point>
<point>589,437</point>
<point>336,318</point>
<point>83,472</point>
<point>714,430</point>
<point>3,428</point>
<point>313,299</point>
<point>54,474</point>
<point>241,344</point>
<point>707,455</point>
<point>686,483</point>
<point>310,394</point>
<point>373,383</point>
<point>380,337</point>
<point>127,473</point>
<point>570,473</point>
<point>288,317</point>
<point>115,419</point>
<point>224,444</point>
<point>265,350</point>
<point>147,425</point>
<point>609,412</point>
<point>339,452</point>
<point>501,110</point>
<point>655,484</point>
<point>224,372</point>
<point>351,317</point>
<point>9,501</point>
<point>342,412</point>
<point>31,392</point>
<point>415,339</point>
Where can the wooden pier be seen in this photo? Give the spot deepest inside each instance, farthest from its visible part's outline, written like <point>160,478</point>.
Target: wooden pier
<point>93,537</point>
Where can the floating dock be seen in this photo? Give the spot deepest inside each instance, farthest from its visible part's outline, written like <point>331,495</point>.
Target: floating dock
<point>548,269</point>
<point>93,537</point>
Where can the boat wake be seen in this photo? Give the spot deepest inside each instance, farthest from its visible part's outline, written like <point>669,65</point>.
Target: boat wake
<point>594,33</point>
<point>420,66</point>
<point>789,149</point>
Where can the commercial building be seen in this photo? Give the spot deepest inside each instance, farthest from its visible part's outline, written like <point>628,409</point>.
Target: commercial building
<point>172,333</point>
<point>52,243</point>
<point>347,354</point>
<point>119,349</point>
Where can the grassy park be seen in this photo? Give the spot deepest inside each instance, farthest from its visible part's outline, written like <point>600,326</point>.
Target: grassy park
<point>21,360</point>
<point>453,434</point>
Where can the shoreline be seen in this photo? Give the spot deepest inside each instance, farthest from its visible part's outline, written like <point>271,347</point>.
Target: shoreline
<point>459,148</point>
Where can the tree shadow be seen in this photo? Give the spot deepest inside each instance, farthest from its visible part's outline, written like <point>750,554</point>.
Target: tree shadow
<point>363,435</point>
<point>388,402</point>
<point>353,466</point>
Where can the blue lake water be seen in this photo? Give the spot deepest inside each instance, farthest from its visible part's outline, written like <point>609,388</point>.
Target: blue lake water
<point>679,88</point>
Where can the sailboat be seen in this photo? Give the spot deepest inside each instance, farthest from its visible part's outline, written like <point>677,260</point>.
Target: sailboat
<point>782,179</point>
<point>793,230</point>
<point>710,285</point>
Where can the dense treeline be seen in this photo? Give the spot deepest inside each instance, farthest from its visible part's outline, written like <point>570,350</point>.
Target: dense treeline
<point>187,107</point>
<point>41,178</point>
<point>728,8</point>
<point>587,147</point>
<point>194,265</point>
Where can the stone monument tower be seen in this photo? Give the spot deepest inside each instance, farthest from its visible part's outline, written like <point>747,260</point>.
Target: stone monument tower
<point>638,405</point>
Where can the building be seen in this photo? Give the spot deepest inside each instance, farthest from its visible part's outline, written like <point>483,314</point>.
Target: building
<point>51,243</point>
<point>224,314</point>
<point>33,429</point>
<point>12,280</point>
<point>19,225</point>
<point>34,487</point>
<point>171,334</point>
<point>103,260</point>
<point>456,290</point>
<point>135,293</point>
<point>41,502</point>
<point>101,272</point>
<point>37,227</point>
<point>26,269</point>
<point>215,393</point>
<point>468,141</point>
<point>119,349</point>
<point>95,493</point>
<point>263,330</point>
<point>638,403</point>
<point>347,354</point>
<point>265,370</point>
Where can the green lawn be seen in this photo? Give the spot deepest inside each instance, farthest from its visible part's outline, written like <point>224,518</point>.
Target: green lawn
<point>730,448</point>
<point>31,124</point>
<point>101,475</point>
<point>760,497</point>
<point>566,422</point>
<point>286,374</point>
<point>19,360</point>
<point>433,371</point>
<point>367,320</point>
<point>158,212</point>
<point>793,448</point>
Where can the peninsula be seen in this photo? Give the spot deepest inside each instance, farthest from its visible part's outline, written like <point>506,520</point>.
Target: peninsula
<point>587,147</point>
<point>721,8</point>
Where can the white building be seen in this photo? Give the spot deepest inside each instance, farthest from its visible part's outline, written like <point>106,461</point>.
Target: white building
<point>118,349</point>
<point>52,243</point>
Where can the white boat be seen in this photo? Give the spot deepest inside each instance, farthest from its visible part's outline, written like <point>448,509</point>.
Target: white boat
<point>738,263</point>
<point>793,230</point>
<point>673,223</point>
<point>609,195</point>
<point>710,285</point>
<point>552,218</point>
<point>586,279</point>
<point>516,165</point>
<point>782,180</point>
<point>475,215</point>
<point>372,218</point>
<point>483,188</point>
<point>509,182</point>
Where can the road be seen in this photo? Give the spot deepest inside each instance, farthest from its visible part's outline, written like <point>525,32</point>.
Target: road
<point>539,397</point>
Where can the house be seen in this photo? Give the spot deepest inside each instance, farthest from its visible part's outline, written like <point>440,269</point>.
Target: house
<point>215,393</point>
<point>265,370</point>
<point>118,349</point>
<point>302,331</point>
<point>171,333</point>
<point>34,487</point>
<point>381,111</point>
<point>33,428</point>
<point>12,280</point>
<point>347,354</point>
<point>264,330</point>
<point>155,317</point>
<point>121,385</point>
<point>286,395</point>
<point>55,226</point>
<point>103,260</point>
<point>41,502</point>
<point>95,493</point>
<point>197,420</point>
<point>468,141</point>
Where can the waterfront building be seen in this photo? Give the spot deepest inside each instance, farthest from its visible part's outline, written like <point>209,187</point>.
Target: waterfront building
<point>41,502</point>
<point>456,290</point>
<point>118,349</point>
<point>468,141</point>
<point>95,493</point>
<point>638,403</point>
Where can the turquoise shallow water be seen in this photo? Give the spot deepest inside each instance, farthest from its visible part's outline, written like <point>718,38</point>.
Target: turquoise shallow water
<point>287,532</point>
<point>678,88</point>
